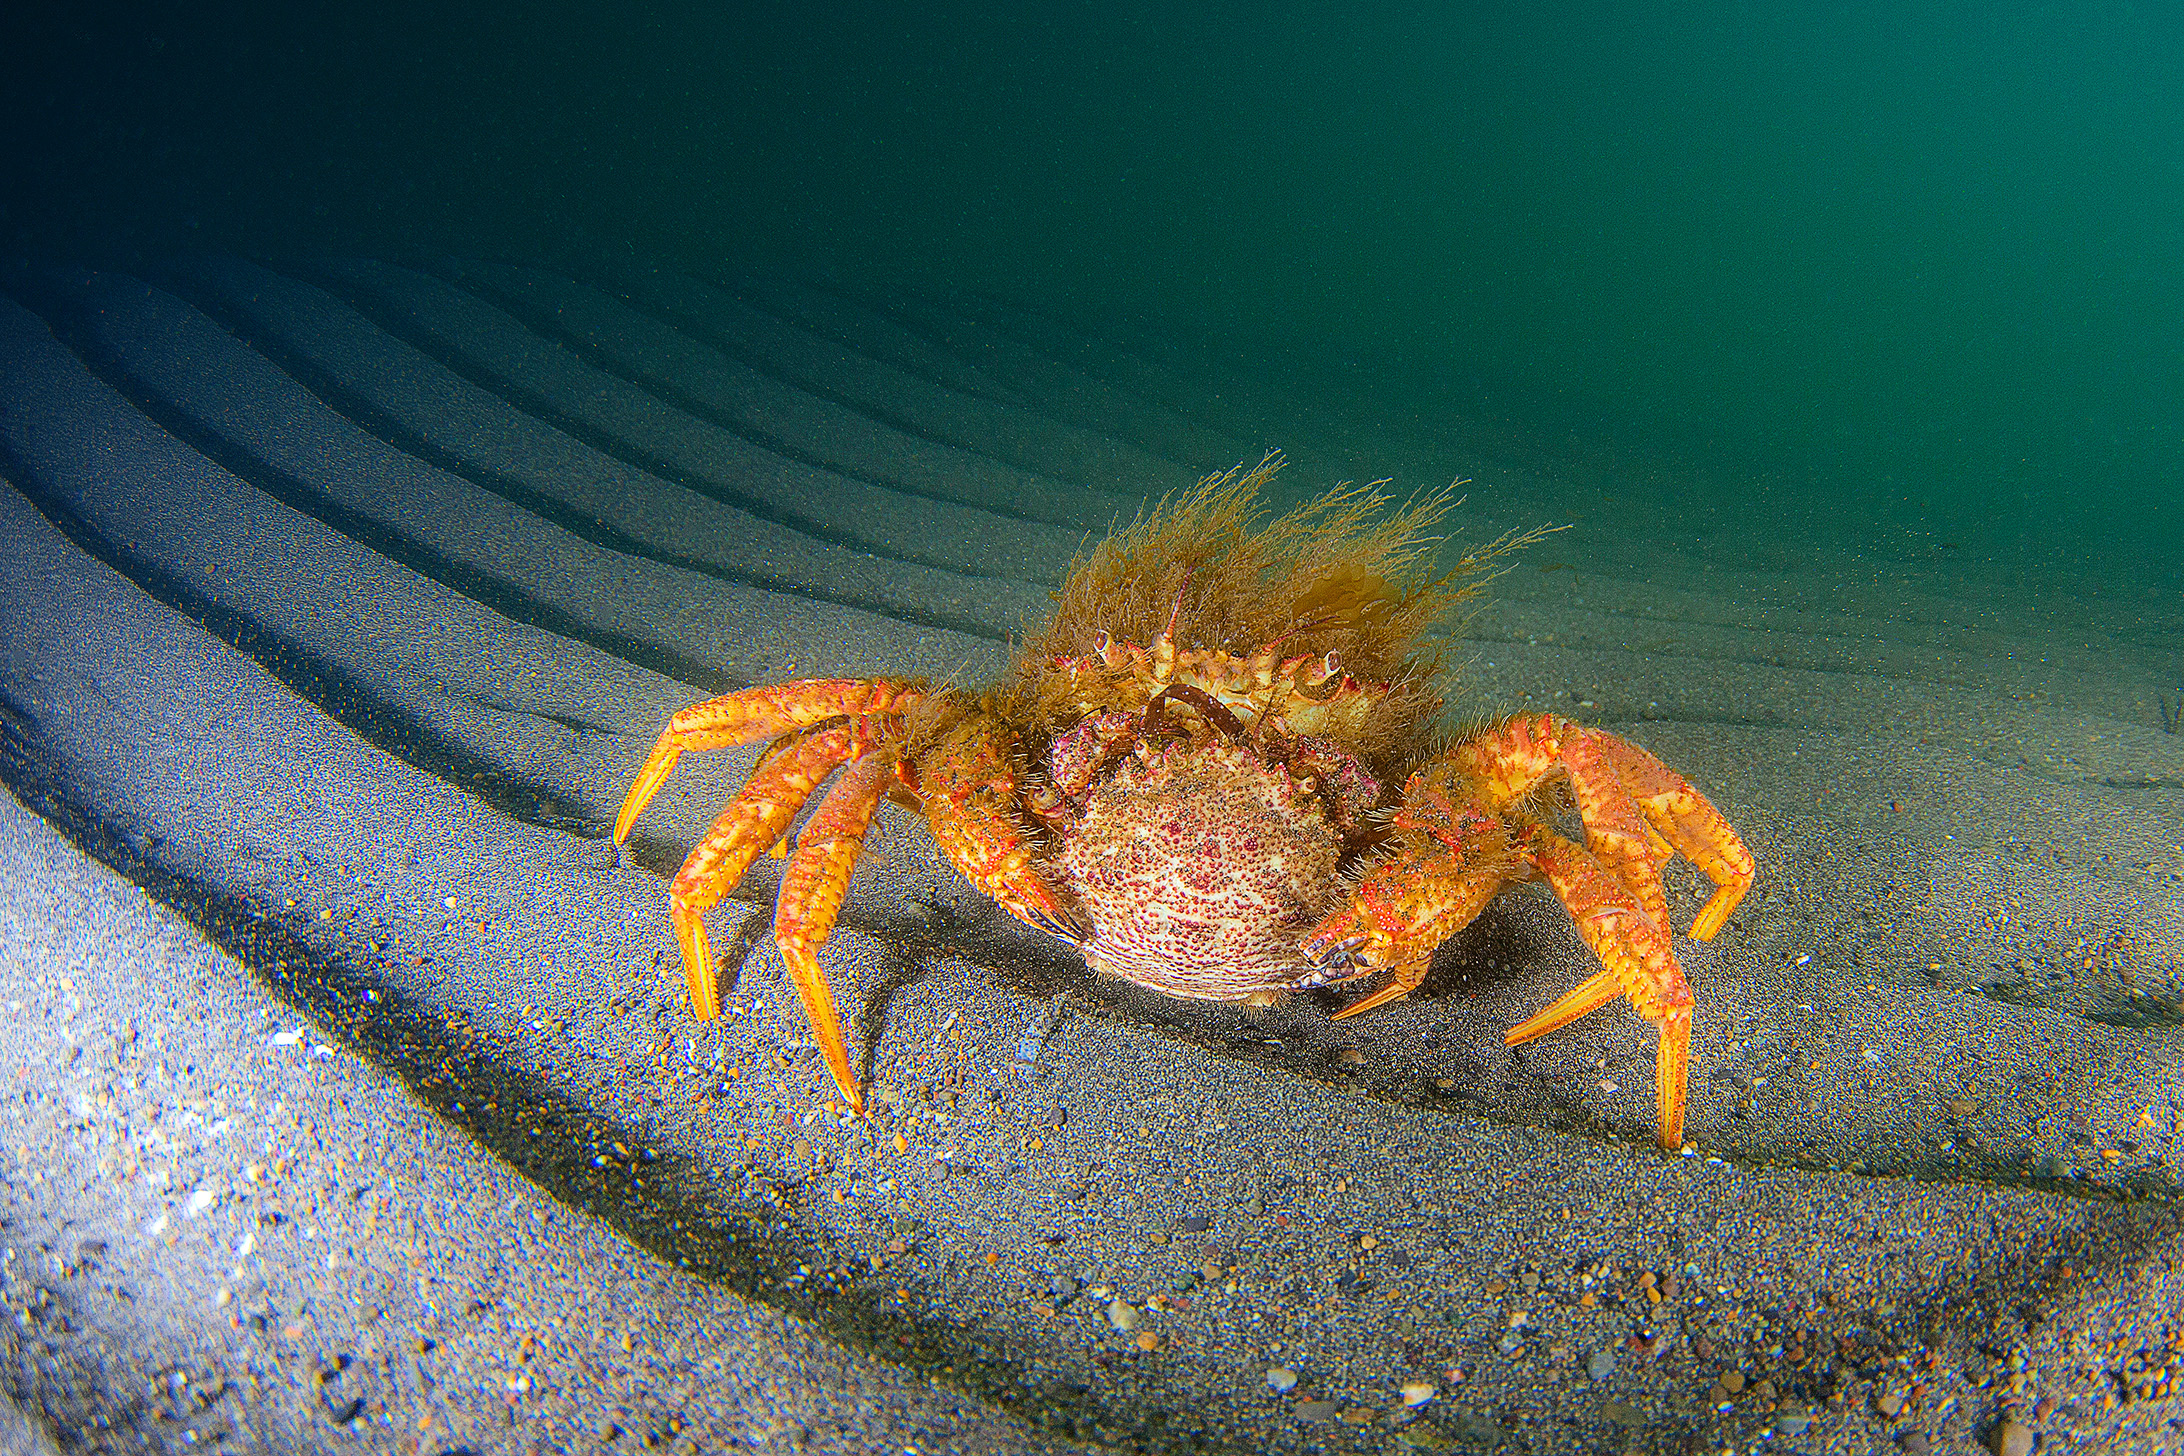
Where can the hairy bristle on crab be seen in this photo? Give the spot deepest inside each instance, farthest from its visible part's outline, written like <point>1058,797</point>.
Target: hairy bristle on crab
<point>1341,578</point>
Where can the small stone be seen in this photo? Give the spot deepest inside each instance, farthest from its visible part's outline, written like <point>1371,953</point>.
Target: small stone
<point>1717,1396</point>
<point>1417,1392</point>
<point>1497,1286</point>
<point>1915,1443</point>
<point>1209,1269</point>
<point>1889,1405</point>
<point>1793,1425</point>
<point>1147,1340</point>
<point>2011,1439</point>
<point>1600,1364</point>
<point>1359,1415</point>
<point>2044,1409</point>
<point>1281,1378</point>
<point>1195,1224</point>
<point>1063,1288</point>
<point>1623,1415</point>
<point>1317,1410</point>
<point>1732,1381</point>
<point>1122,1316</point>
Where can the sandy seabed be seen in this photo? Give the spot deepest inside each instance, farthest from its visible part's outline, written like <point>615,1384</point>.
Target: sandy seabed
<point>353,1091</point>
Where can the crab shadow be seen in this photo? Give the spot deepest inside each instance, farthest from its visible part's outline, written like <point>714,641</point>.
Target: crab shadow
<point>1436,1045</point>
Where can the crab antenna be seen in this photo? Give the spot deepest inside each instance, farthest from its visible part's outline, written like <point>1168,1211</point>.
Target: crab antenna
<point>1165,649</point>
<point>1167,633</point>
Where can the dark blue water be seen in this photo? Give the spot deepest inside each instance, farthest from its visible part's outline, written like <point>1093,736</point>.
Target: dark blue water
<point>1917,269</point>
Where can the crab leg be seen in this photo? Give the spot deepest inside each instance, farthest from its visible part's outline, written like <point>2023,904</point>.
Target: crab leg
<point>1685,821</point>
<point>1403,908</point>
<point>811,894</point>
<point>753,820</point>
<point>1637,812</point>
<point>753,714</point>
<point>1640,963</point>
<point>968,783</point>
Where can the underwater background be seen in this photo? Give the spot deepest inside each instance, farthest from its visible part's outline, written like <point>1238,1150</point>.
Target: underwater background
<point>1915,270</point>
<point>405,409</point>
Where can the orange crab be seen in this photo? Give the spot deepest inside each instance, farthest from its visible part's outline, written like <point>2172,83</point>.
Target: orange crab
<point>1190,776</point>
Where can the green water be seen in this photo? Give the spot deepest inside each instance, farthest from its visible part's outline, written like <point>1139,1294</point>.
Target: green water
<point>1921,263</point>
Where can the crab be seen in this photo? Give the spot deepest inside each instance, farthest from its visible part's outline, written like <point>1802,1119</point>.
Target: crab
<point>1218,772</point>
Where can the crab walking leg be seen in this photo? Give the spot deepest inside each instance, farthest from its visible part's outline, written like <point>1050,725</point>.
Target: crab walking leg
<point>812,888</point>
<point>1683,819</point>
<point>1638,813</point>
<point>753,820</point>
<point>1402,909</point>
<point>968,783</point>
<point>1616,831</point>
<point>1513,758</point>
<point>753,714</point>
<point>1640,964</point>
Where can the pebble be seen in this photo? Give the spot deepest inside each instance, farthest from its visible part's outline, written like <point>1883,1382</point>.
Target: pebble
<point>2011,1439</point>
<point>1317,1410</point>
<point>1359,1415</point>
<point>1122,1316</point>
<point>1793,1425</point>
<point>1195,1224</point>
<point>1281,1378</point>
<point>1915,1443</point>
<point>1889,1405</point>
<point>1600,1364</point>
<point>1732,1381</point>
<point>1417,1392</point>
